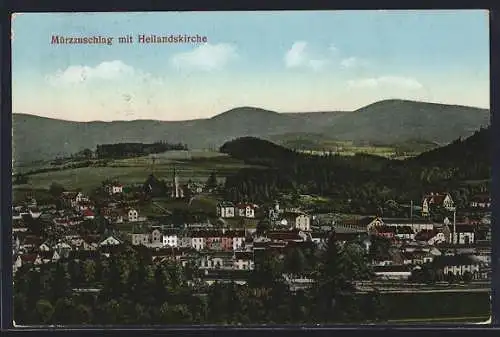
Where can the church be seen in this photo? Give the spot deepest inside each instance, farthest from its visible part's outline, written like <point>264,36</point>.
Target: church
<point>177,191</point>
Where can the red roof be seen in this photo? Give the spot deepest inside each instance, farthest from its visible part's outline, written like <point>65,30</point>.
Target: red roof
<point>88,212</point>
<point>435,198</point>
<point>30,258</point>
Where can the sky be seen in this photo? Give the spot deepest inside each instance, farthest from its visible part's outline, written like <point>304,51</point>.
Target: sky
<point>287,61</point>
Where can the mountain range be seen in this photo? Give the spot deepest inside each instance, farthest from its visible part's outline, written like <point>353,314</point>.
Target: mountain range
<point>387,122</point>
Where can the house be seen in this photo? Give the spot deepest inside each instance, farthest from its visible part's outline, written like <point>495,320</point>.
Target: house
<point>237,239</point>
<point>114,188</point>
<point>246,210</point>
<point>110,241</point>
<point>132,215</point>
<point>421,257</point>
<point>464,235</point>
<point>384,231</point>
<point>156,237</point>
<point>275,212</point>
<point>405,233</point>
<point>184,240</point>
<point>431,237</point>
<point>88,214</point>
<point>480,201</point>
<point>28,259</point>
<point>226,210</point>
<point>226,243</point>
<point>436,200</point>
<point>243,261</point>
<point>140,239</point>
<point>170,238</point>
<point>213,239</point>
<point>35,212</point>
<point>457,265</point>
<point>18,263</point>
<point>197,240</point>
<point>392,272</point>
<point>297,220</point>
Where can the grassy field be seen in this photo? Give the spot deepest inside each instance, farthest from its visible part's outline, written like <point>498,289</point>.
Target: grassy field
<point>348,148</point>
<point>194,165</point>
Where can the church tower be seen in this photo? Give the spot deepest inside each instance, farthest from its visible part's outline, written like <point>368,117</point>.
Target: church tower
<point>176,188</point>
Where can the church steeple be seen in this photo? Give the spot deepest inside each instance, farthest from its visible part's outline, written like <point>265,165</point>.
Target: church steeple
<point>176,189</point>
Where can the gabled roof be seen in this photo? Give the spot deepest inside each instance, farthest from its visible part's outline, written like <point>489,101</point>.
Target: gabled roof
<point>28,258</point>
<point>88,212</point>
<point>436,198</point>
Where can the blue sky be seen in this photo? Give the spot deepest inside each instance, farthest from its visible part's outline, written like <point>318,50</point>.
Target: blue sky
<point>285,61</point>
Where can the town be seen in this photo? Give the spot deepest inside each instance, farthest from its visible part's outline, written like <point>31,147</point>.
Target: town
<point>223,245</point>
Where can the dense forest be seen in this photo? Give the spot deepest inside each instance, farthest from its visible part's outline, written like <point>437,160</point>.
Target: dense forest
<point>123,150</point>
<point>364,182</point>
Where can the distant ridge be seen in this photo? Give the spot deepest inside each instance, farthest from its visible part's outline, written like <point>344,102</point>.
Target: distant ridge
<point>40,138</point>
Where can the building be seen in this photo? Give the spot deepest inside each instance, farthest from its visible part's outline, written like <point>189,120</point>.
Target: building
<point>170,238</point>
<point>156,237</point>
<point>88,214</point>
<point>394,272</point>
<point>457,265</point>
<point>226,210</point>
<point>464,235</point>
<point>480,201</point>
<point>197,240</point>
<point>177,191</point>
<point>436,200</point>
<point>132,215</point>
<point>246,210</point>
<point>140,239</point>
<point>297,220</point>
<point>114,188</point>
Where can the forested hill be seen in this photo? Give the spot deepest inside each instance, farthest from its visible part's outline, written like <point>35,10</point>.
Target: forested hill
<point>369,180</point>
<point>474,149</point>
<point>258,151</point>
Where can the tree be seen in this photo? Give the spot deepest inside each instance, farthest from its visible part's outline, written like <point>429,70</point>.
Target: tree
<point>212,181</point>
<point>295,261</point>
<point>61,284</point>
<point>89,271</point>
<point>87,153</point>
<point>56,189</point>
<point>263,226</point>
<point>45,310</point>
<point>64,312</point>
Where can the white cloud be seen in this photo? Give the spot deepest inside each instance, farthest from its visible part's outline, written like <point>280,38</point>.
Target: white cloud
<point>353,62</point>
<point>75,74</point>
<point>299,56</point>
<point>333,49</point>
<point>206,57</point>
<point>386,81</point>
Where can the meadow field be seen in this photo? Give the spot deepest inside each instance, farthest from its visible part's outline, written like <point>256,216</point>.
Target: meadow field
<point>189,165</point>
